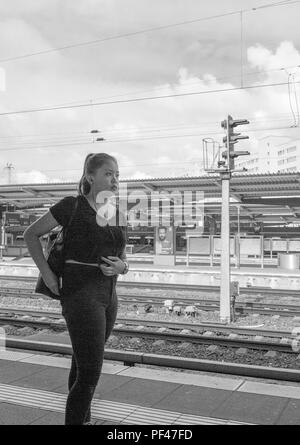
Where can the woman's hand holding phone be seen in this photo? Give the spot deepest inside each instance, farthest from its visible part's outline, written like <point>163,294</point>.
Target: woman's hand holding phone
<point>114,266</point>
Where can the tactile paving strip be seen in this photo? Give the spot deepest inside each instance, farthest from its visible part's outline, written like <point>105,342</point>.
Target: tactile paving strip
<point>105,409</point>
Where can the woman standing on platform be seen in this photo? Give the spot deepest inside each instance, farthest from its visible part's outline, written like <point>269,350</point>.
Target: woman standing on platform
<point>94,256</point>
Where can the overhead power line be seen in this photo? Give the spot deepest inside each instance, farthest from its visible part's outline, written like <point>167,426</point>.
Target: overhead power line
<point>122,166</point>
<point>147,30</point>
<point>199,162</point>
<point>91,101</point>
<point>54,139</point>
<point>141,99</point>
<point>136,139</point>
<point>116,37</point>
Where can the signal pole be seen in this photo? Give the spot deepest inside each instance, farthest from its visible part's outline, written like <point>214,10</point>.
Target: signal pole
<point>225,250</point>
<point>226,173</point>
<point>2,236</point>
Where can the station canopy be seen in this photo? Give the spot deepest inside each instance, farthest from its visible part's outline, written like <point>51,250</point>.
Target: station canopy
<point>270,199</point>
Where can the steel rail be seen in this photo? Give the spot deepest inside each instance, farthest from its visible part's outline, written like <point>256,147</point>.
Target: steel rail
<point>167,336</point>
<point>203,304</point>
<point>217,327</point>
<point>190,287</point>
<point>131,358</point>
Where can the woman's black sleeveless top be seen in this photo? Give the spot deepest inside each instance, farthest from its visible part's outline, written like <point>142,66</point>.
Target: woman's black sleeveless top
<point>86,240</point>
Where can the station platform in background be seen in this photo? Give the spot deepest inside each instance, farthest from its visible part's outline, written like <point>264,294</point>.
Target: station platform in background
<point>181,261</point>
<point>33,391</point>
<point>26,261</point>
<point>181,275</point>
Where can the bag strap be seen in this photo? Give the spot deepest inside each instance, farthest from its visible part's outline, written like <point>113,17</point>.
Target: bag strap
<point>65,229</point>
<point>72,216</point>
<point>62,232</point>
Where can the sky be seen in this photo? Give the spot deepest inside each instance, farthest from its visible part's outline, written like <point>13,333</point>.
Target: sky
<point>161,137</point>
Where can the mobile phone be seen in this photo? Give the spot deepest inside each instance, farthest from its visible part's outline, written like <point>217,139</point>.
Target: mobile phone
<point>104,261</point>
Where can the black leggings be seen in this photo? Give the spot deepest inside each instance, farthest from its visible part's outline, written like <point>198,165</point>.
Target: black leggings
<point>90,312</point>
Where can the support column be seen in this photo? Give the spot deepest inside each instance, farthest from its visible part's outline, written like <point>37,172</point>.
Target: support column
<point>225,313</point>
<point>2,238</point>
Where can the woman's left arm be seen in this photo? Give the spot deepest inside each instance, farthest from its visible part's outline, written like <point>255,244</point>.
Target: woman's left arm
<point>123,256</point>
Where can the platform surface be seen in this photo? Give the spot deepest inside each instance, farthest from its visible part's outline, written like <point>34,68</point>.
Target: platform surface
<point>33,390</point>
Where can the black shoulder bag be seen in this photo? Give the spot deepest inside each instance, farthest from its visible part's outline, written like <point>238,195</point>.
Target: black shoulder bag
<point>55,255</point>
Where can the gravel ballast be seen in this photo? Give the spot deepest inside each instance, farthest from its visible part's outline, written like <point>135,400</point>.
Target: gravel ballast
<point>158,313</point>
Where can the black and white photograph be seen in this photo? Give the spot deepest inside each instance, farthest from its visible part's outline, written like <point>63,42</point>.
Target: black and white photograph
<point>149,215</point>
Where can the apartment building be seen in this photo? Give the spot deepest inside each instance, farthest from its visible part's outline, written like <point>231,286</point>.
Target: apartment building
<point>274,155</point>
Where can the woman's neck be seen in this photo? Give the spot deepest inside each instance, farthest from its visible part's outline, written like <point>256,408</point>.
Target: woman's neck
<point>90,198</point>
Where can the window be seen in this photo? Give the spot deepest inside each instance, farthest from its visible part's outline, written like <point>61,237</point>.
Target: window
<point>281,152</point>
<point>291,149</point>
<point>281,162</point>
<point>292,159</point>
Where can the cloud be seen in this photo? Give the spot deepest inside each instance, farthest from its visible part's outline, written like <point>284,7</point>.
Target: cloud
<point>141,134</point>
<point>33,176</point>
<point>285,55</point>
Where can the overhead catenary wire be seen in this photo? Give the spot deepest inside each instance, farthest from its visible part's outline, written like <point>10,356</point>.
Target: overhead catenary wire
<point>53,140</point>
<point>290,99</point>
<point>241,47</point>
<point>141,99</point>
<point>137,139</point>
<point>282,3</point>
<point>148,164</point>
<point>270,118</point>
<point>116,37</point>
<point>147,30</point>
<point>296,100</point>
<point>181,85</point>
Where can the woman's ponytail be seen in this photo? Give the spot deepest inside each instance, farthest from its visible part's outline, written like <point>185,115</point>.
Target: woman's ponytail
<point>84,186</point>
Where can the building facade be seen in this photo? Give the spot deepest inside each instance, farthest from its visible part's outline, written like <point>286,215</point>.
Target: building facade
<point>273,155</point>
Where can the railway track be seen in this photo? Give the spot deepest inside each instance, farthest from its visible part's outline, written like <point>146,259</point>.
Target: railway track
<point>196,327</point>
<point>173,332</point>
<point>214,289</point>
<point>167,286</point>
<point>243,307</point>
<point>132,357</point>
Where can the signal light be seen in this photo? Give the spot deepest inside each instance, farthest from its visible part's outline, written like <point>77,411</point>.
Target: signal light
<point>232,138</point>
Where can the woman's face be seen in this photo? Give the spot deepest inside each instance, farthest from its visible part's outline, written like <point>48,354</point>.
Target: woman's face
<point>107,177</point>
